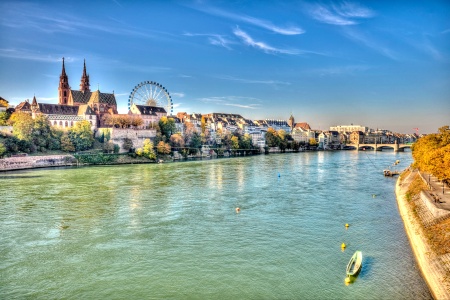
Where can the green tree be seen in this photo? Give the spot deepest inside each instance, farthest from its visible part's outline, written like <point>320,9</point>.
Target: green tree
<point>167,126</point>
<point>235,143</point>
<point>2,150</point>
<point>127,144</point>
<point>66,143</point>
<point>4,117</point>
<point>81,135</point>
<point>195,143</point>
<point>42,133</point>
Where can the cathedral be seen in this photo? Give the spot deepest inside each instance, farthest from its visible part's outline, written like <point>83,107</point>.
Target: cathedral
<point>74,105</point>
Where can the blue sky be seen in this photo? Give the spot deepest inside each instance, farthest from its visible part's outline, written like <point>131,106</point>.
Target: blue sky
<point>382,64</point>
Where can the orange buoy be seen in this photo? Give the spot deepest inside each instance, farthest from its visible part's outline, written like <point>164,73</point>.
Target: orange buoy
<point>238,210</point>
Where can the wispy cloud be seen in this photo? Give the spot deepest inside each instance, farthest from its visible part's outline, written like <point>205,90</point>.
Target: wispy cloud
<point>285,30</point>
<point>178,95</point>
<point>370,42</point>
<point>34,17</point>
<point>236,101</point>
<point>339,70</point>
<point>214,39</point>
<point>252,81</point>
<point>32,55</point>
<point>248,40</point>
<point>345,13</point>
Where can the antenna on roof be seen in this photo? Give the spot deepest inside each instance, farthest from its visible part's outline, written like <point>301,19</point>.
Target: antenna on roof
<point>98,86</point>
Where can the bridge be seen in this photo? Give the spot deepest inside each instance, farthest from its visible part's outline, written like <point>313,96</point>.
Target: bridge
<point>380,147</point>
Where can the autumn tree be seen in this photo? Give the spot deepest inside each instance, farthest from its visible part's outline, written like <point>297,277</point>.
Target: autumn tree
<point>147,150</point>
<point>22,125</point>
<point>163,148</point>
<point>272,138</point>
<point>177,141</point>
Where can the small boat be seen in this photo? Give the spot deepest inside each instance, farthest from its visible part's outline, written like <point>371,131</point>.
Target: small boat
<point>355,263</point>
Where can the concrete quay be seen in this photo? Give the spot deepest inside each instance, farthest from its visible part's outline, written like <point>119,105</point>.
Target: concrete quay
<point>435,268</point>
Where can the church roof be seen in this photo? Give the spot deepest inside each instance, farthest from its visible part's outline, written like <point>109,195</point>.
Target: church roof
<point>80,97</point>
<point>25,105</point>
<point>150,110</point>
<point>304,126</point>
<point>56,109</point>
<point>85,109</point>
<point>93,97</point>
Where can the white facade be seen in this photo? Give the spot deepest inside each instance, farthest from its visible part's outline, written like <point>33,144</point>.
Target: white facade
<point>349,128</point>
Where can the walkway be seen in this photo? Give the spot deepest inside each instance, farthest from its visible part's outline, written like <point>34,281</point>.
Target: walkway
<point>437,191</point>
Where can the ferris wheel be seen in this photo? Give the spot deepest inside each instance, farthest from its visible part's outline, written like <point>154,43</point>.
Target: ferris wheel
<point>151,93</point>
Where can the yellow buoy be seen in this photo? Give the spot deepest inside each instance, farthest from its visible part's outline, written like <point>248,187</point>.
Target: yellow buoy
<point>343,245</point>
<point>346,225</point>
<point>347,280</point>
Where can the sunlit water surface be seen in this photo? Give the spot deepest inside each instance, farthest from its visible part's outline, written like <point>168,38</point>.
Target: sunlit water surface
<point>171,230</point>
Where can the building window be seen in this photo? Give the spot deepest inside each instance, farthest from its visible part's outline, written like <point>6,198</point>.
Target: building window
<point>67,124</point>
<point>71,123</point>
<point>90,118</point>
<point>60,123</point>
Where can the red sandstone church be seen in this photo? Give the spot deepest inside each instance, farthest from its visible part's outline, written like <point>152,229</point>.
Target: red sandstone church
<point>74,105</point>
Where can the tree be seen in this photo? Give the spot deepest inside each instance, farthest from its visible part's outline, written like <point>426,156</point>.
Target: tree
<point>66,143</point>
<point>42,133</point>
<point>176,140</point>
<point>235,143</point>
<point>167,126</point>
<point>195,142</point>
<point>22,125</point>
<point>163,148</point>
<point>4,117</point>
<point>127,144</point>
<point>147,150</point>
<point>2,150</point>
<point>136,121</point>
<point>81,135</point>
<point>272,138</point>
<point>312,142</point>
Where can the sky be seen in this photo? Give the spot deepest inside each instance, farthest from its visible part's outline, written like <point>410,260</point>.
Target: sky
<point>381,64</point>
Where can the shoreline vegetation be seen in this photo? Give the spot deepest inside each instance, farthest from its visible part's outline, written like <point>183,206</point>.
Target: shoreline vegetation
<point>429,236</point>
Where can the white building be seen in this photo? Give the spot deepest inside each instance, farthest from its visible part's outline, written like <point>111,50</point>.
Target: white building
<point>349,128</point>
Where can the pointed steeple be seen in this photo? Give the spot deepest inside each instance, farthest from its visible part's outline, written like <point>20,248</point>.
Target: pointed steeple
<point>34,107</point>
<point>64,88</point>
<point>84,84</point>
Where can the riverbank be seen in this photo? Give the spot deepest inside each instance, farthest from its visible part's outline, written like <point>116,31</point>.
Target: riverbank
<point>417,219</point>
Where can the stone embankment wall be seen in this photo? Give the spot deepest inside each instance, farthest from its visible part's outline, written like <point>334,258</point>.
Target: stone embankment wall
<point>436,212</point>
<point>29,162</point>
<point>137,136</point>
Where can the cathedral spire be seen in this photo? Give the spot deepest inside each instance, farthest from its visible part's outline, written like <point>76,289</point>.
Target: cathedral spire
<point>64,87</point>
<point>84,84</point>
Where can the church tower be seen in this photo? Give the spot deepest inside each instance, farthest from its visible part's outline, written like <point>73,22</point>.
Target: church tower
<point>64,88</point>
<point>84,85</point>
<point>291,122</point>
<point>34,107</point>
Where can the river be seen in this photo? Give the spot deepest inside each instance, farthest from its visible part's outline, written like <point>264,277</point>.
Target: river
<point>159,231</point>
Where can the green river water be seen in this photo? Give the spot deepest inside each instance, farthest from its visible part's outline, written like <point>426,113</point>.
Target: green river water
<point>170,231</point>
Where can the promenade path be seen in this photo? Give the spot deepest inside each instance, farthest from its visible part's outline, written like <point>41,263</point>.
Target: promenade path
<point>438,191</point>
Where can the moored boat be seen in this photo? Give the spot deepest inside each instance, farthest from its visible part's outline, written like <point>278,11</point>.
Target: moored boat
<point>355,263</point>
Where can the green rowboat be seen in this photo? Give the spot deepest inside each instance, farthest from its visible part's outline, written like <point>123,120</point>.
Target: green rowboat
<point>355,263</point>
